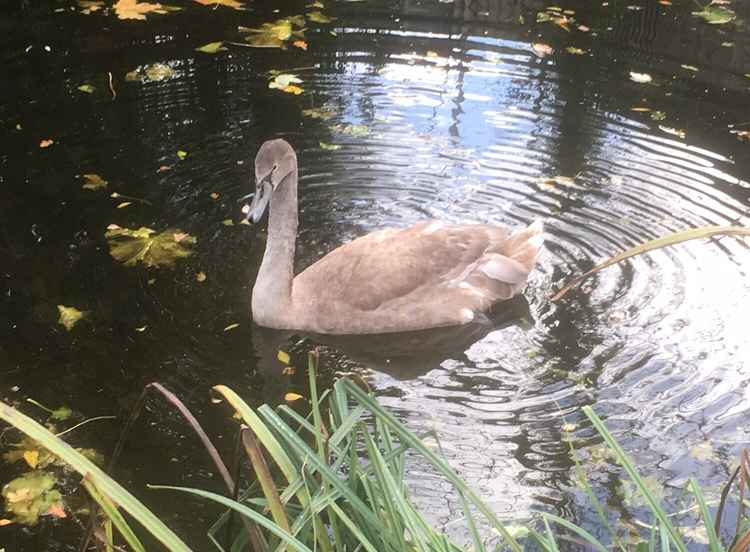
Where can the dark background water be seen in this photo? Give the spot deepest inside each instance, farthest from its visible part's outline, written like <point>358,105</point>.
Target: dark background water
<point>464,121</point>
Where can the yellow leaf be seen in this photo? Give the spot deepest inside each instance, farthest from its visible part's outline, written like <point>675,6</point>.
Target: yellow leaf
<point>4,522</point>
<point>132,9</point>
<point>569,428</point>
<point>211,47</point>
<point>319,17</point>
<point>292,89</point>
<point>301,44</point>
<point>275,34</point>
<point>94,182</point>
<point>228,222</point>
<point>141,329</point>
<point>46,143</point>
<point>123,204</point>
<point>234,4</point>
<point>542,50</point>
<point>90,6</point>
<point>231,327</point>
<point>201,277</point>
<point>641,109</point>
<point>283,357</point>
<point>575,51</point>
<point>31,457</point>
<point>87,88</point>
<point>146,246</point>
<point>182,154</point>
<point>290,397</point>
<point>69,316</point>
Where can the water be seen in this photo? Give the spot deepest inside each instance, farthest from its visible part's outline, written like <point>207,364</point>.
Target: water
<point>464,121</point>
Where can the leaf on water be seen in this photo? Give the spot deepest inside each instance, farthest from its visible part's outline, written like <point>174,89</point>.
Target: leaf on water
<point>212,48</point>
<point>31,495</point>
<point>141,329</point>
<point>286,82</point>
<point>704,452</point>
<point>542,50</point>
<point>742,135</point>
<point>274,34</point>
<point>352,130</point>
<point>57,510</point>
<point>283,357</point>
<point>61,414</point>
<point>316,4</point>
<point>575,51</point>
<point>146,246</point>
<point>301,44</point>
<point>46,143</point>
<point>124,204</point>
<point>231,327</point>
<point>569,428</point>
<point>319,17</point>
<point>132,9</point>
<point>150,73</point>
<point>640,77</point>
<point>640,109</point>
<point>674,131</point>
<point>291,397</point>
<point>583,28</point>
<point>94,182</point>
<point>87,88</point>
<point>288,370</point>
<point>90,6</point>
<point>32,458</point>
<point>214,195</point>
<point>695,533</point>
<point>632,496</point>
<point>689,67</point>
<point>4,522</point>
<point>658,115</point>
<point>70,316</point>
<point>182,154</point>
<point>716,15</point>
<point>727,44</point>
<point>200,276</point>
<point>329,147</point>
<point>551,184</point>
<point>325,112</point>
<point>227,222</point>
<point>234,4</point>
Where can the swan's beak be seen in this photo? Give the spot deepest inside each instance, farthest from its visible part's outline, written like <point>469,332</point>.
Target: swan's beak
<point>260,201</point>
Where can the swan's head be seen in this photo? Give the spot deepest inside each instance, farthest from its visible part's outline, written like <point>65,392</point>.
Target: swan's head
<point>275,161</point>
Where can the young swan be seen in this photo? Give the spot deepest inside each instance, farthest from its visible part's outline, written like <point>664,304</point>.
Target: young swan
<point>429,275</point>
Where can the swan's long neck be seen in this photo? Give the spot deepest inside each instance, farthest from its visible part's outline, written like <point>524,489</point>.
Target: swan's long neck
<point>272,293</point>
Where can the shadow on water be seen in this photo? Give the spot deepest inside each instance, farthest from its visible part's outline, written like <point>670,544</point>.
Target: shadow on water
<point>439,110</point>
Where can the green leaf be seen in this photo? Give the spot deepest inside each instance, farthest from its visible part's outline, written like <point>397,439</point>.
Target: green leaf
<point>144,245</point>
<point>329,147</point>
<point>212,48</point>
<point>319,17</point>
<point>716,15</point>
<point>31,495</point>
<point>87,88</point>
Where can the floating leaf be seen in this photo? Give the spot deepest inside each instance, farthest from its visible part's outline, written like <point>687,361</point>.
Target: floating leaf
<point>29,449</point>
<point>288,370</point>
<point>351,130</point>
<point>291,397</point>
<point>227,222</point>
<point>716,15</point>
<point>141,329</point>
<point>57,510</point>
<point>316,4</point>
<point>301,44</point>
<point>132,9</point>
<point>575,51</point>
<point>275,34</point>
<point>158,72</point>
<point>640,109</point>
<point>212,48</point>
<point>146,246</point>
<point>742,135</point>
<point>329,147</point>
<point>31,457</point>
<point>231,327</point>
<point>4,522</point>
<point>87,88</point>
<point>658,115</point>
<point>46,143</point>
<point>551,183</point>
<point>319,17</point>
<point>69,316</point>
<point>286,82</point>
<point>200,277</point>
<point>124,204</point>
<point>283,357</point>
<point>234,4</point>
<point>632,496</point>
<point>689,67</point>
<point>542,50</point>
<point>704,452</point>
<point>325,113</point>
<point>292,89</point>
<point>640,77</point>
<point>61,414</point>
<point>583,28</point>
<point>569,428</point>
<point>31,495</point>
<point>90,6</point>
<point>94,182</point>
<point>182,154</point>
<point>695,533</point>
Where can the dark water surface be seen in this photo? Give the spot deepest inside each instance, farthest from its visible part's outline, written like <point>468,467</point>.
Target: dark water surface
<point>457,119</point>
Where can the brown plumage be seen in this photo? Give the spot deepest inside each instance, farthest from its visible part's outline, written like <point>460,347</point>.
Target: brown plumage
<point>394,280</point>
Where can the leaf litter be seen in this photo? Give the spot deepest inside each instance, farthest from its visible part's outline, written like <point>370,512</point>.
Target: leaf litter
<point>93,182</point>
<point>286,82</point>
<point>70,316</point>
<point>155,72</point>
<point>212,48</point>
<point>132,9</point>
<point>32,495</point>
<point>275,34</point>
<point>146,246</point>
<point>234,4</point>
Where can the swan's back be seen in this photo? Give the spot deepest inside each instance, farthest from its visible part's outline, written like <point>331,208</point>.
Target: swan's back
<point>429,275</point>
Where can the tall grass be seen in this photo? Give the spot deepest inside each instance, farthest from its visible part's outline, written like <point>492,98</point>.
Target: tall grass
<point>334,481</point>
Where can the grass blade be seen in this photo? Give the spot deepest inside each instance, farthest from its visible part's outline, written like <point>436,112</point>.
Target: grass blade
<point>713,540</point>
<point>664,241</point>
<point>114,516</point>
<point>103,482</point>
<point>627,464</point>
<point>581,532</point>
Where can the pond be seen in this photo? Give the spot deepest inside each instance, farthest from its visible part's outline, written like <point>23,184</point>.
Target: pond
<point>612,123</point>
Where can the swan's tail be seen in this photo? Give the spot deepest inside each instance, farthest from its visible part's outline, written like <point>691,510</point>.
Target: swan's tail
<point>525,245</point>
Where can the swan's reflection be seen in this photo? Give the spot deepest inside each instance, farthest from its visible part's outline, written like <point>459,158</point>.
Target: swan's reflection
<point>403,356</point>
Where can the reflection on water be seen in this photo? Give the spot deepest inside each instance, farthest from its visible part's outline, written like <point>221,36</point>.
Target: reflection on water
<point>464,123</point>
